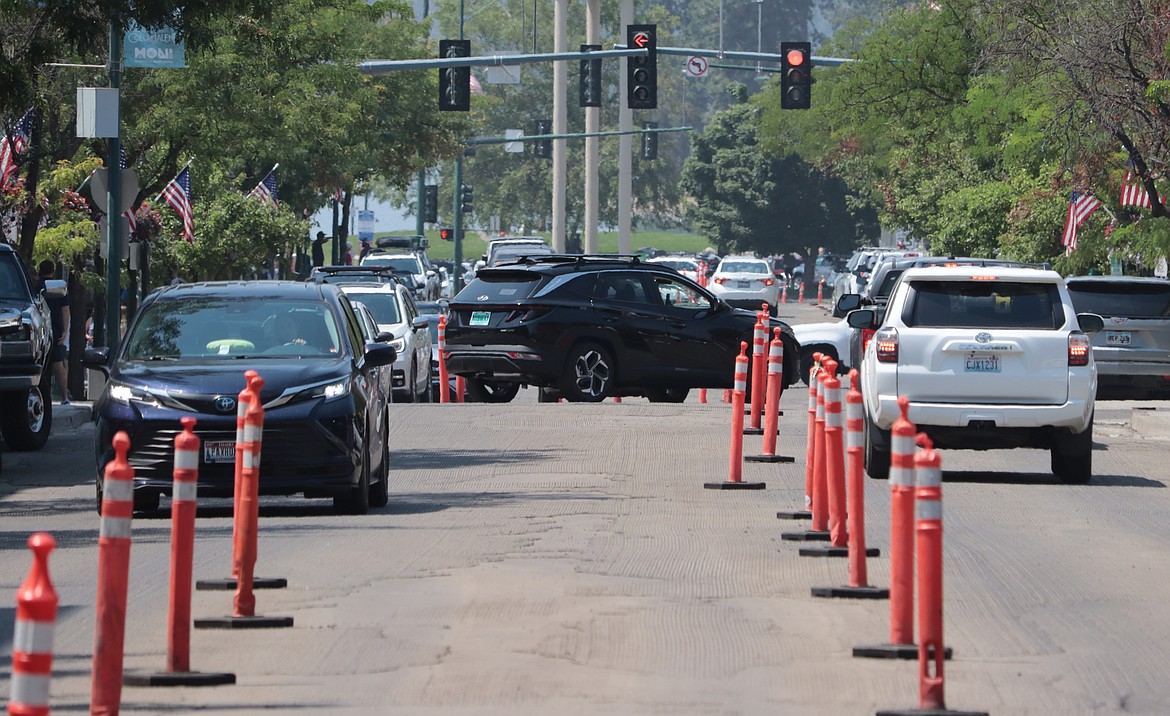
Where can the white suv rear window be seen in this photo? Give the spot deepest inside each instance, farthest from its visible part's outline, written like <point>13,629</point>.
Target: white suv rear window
<point>984,304</point>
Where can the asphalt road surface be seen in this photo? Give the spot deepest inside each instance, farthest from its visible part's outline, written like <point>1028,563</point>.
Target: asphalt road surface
<point>565,558</point>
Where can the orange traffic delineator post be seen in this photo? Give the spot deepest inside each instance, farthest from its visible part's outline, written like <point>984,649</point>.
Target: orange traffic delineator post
<point>32,642</point>
<point>460,389</point>
<point>857,551</point>
<point>230,583</point>
<point>244,603</point>
<point>444,378</point>
<point>183,507</point>
<point>931,652</point>
<point>735,470</point>
<point>820,291</point>
<point>784,293</point>
<point>703,396</point>
<point>772,403</point>
<point>113,580</point>
<point>759,362</point>
<point>901,645</point>
<point>810,445</point>
<point>800,294</point>
<point>819,529</point>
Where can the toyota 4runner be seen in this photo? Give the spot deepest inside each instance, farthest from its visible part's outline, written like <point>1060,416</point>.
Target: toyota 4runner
<point>989,358</point>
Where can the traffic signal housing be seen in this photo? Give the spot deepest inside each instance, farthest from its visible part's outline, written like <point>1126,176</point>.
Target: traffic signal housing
<point>431,203</point>
<point>795,74</point>
<point>589,92</point>
<point>642,72</point>
<point>649,141</point>
<point>447,233</point>
<point>454,82</point>
<point>543,147</point>
<point>467,199</point>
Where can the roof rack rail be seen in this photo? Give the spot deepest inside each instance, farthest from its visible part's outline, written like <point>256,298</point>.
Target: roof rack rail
<point>403,242</point>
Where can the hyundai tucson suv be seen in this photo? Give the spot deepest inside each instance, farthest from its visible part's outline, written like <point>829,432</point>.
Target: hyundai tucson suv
<point>989,358</point>
<point>591,327</point>
<point>185,354</point>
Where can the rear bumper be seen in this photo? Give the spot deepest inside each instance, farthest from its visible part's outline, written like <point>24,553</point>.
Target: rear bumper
<point>1072,416</point>
<point>516,362</point>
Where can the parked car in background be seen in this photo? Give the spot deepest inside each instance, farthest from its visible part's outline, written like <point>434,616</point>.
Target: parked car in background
<point>1133,350</point>
<point>989,358</point>
<point>592,327</point>
<point>515,252</point>
<point>395,312</point>
<point>745,282</point>
<point>685,265</point>
<point>407,254</point>
<point>824,266</point>
<point>494,246</point>
<point>185,353</point>
<point>26,337</point>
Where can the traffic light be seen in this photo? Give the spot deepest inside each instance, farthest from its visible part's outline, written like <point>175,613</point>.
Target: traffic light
<point>447,233</point>
<point>796,74</point>
<point>543,147</point>
<point>467,199</point>
<point>589,93</point>
<point>454,82</point>
<point>431,203</point>
<point>649,141</point>
<point>642,72</point>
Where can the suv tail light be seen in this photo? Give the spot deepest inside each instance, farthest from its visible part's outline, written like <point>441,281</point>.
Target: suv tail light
<point>1078,349</point>
<point>866,335</point>
<point>887,345</point>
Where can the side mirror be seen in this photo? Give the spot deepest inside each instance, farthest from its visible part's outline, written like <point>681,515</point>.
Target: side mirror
<point>96,358</point>
<point>1091,322</point>
<point>379,354</point>
<point>862,318</point>
<point>420,322</point>
<point>848,302</point>
<point>384,337</point>
<point>56,287</point>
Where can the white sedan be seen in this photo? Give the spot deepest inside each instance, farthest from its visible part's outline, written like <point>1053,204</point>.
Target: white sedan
<point>831,338</point>
<point>746,282</point>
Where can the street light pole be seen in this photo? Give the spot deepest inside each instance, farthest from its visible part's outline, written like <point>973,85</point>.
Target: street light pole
<point>114,196</point>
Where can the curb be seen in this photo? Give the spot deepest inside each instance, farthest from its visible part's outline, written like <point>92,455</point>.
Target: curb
<point>72,416</point>
<point>1150,422</point>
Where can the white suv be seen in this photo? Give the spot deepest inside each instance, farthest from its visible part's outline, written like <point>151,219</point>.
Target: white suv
<point>989,357</point>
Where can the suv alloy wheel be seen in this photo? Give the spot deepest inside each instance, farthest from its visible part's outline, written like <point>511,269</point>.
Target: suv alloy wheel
<point>589,375</point>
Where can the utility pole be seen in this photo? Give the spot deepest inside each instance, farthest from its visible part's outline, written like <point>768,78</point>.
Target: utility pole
<point>592,144</point>
<point>114,196</point>
<point>560,123</point>
<point>625,148</point>
<point>456,191</point>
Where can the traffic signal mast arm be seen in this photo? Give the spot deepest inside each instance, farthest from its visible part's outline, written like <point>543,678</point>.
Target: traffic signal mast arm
<point>578,135</point>
<point>385,67</point>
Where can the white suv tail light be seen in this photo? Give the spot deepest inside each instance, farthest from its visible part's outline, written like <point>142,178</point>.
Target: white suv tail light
<point>887,345</point>
<point>1078,349</point>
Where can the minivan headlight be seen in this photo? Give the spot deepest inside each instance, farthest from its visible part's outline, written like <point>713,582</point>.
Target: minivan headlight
<point>124,394</point>
<point>329,391</point>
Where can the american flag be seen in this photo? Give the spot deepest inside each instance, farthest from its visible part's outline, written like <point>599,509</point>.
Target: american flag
<point>9,148</point>
<point>1080,207</point>
<point>131,219</point>
<point>339,195</point>
<point>178,195</point>
<point>1133,193</point>
<point>265,191</point>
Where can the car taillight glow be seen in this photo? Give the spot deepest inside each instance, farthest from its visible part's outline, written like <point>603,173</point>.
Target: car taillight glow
<point>887,345</point>
<point>866,335</point>
<point>983,278</point>
<point>768,281</point>
<point>1078,349</point>
<point>720,280</point>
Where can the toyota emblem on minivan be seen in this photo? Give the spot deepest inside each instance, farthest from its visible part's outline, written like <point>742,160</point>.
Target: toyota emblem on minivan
<point>983,337</point>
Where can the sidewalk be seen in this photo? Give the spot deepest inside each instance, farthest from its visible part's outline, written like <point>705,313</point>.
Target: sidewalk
<point>72,416</point>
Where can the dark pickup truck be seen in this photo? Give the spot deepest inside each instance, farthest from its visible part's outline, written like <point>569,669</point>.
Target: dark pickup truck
<point>26,335</point>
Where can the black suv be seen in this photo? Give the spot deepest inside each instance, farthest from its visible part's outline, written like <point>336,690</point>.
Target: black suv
<point>26,336</point>
<point>185,354</point>
<point>590,327</point>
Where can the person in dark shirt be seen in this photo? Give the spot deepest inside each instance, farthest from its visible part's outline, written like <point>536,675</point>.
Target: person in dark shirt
<point>59,315</point>
<point>319,249</point>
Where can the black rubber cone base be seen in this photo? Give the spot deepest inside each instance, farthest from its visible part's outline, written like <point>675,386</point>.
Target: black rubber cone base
<point>229,584</point>
<point>769,458</point>
<point>808,536</point>
<point>852,592</point>
<point>794,515</point>
<point>831,551</point>
<point>179,678</point>
<point>734,485</point>
<point>929,712</point>
<point>244,623</point>
<point>753,431</point>
<point>894,651</point>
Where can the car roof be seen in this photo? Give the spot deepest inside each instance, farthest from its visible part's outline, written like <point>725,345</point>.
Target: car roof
<point>355,288</point>
<point>950,273</point>
<point>1117,279</point>
<point>570,263</point>
<point>305,290</point>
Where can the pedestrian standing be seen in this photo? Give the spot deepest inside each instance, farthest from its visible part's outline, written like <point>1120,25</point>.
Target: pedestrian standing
<point>319,249</point>
<point>59,317</point>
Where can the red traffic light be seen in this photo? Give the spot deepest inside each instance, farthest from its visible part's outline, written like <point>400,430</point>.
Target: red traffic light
<point>795,58</point>
<point>447,234</point>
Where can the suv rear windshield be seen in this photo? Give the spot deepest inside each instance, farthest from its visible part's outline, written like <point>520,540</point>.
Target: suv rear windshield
<point>984,304</point>
<point>1121,298</point>
<point>398,263</point>
<point>500,286</point>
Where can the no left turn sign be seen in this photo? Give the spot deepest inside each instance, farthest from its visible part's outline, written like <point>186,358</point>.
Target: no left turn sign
<point>697,66</point>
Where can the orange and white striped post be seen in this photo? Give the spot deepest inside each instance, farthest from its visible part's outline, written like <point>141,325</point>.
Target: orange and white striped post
<point>735,468</point>
<point>759,341</point>
<point>857,552</point>
<point>784,293</point>
<point>800,294</point>
<point>834,457</point>
<point>772,403</point>
<point>444,379</point>
<point>113,580</point>
<point>702,396</point>
<point>810,447</point>
<point>820,291</point>
<point>32,642</point>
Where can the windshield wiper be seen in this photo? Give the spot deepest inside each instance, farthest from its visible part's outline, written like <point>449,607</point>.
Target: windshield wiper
<point>156,358</point>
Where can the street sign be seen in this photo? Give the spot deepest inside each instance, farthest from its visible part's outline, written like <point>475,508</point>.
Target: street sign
<point>697,66</point>
<point>100,190</point>
<point>365,225</point>
<point>159,47</point>
<point>514,147</point>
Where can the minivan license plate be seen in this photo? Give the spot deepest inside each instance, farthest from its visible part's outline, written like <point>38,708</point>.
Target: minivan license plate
<point>982,363</point>
<point>481,318</point>
<point>219,451</point>
<point>1117,338</point>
